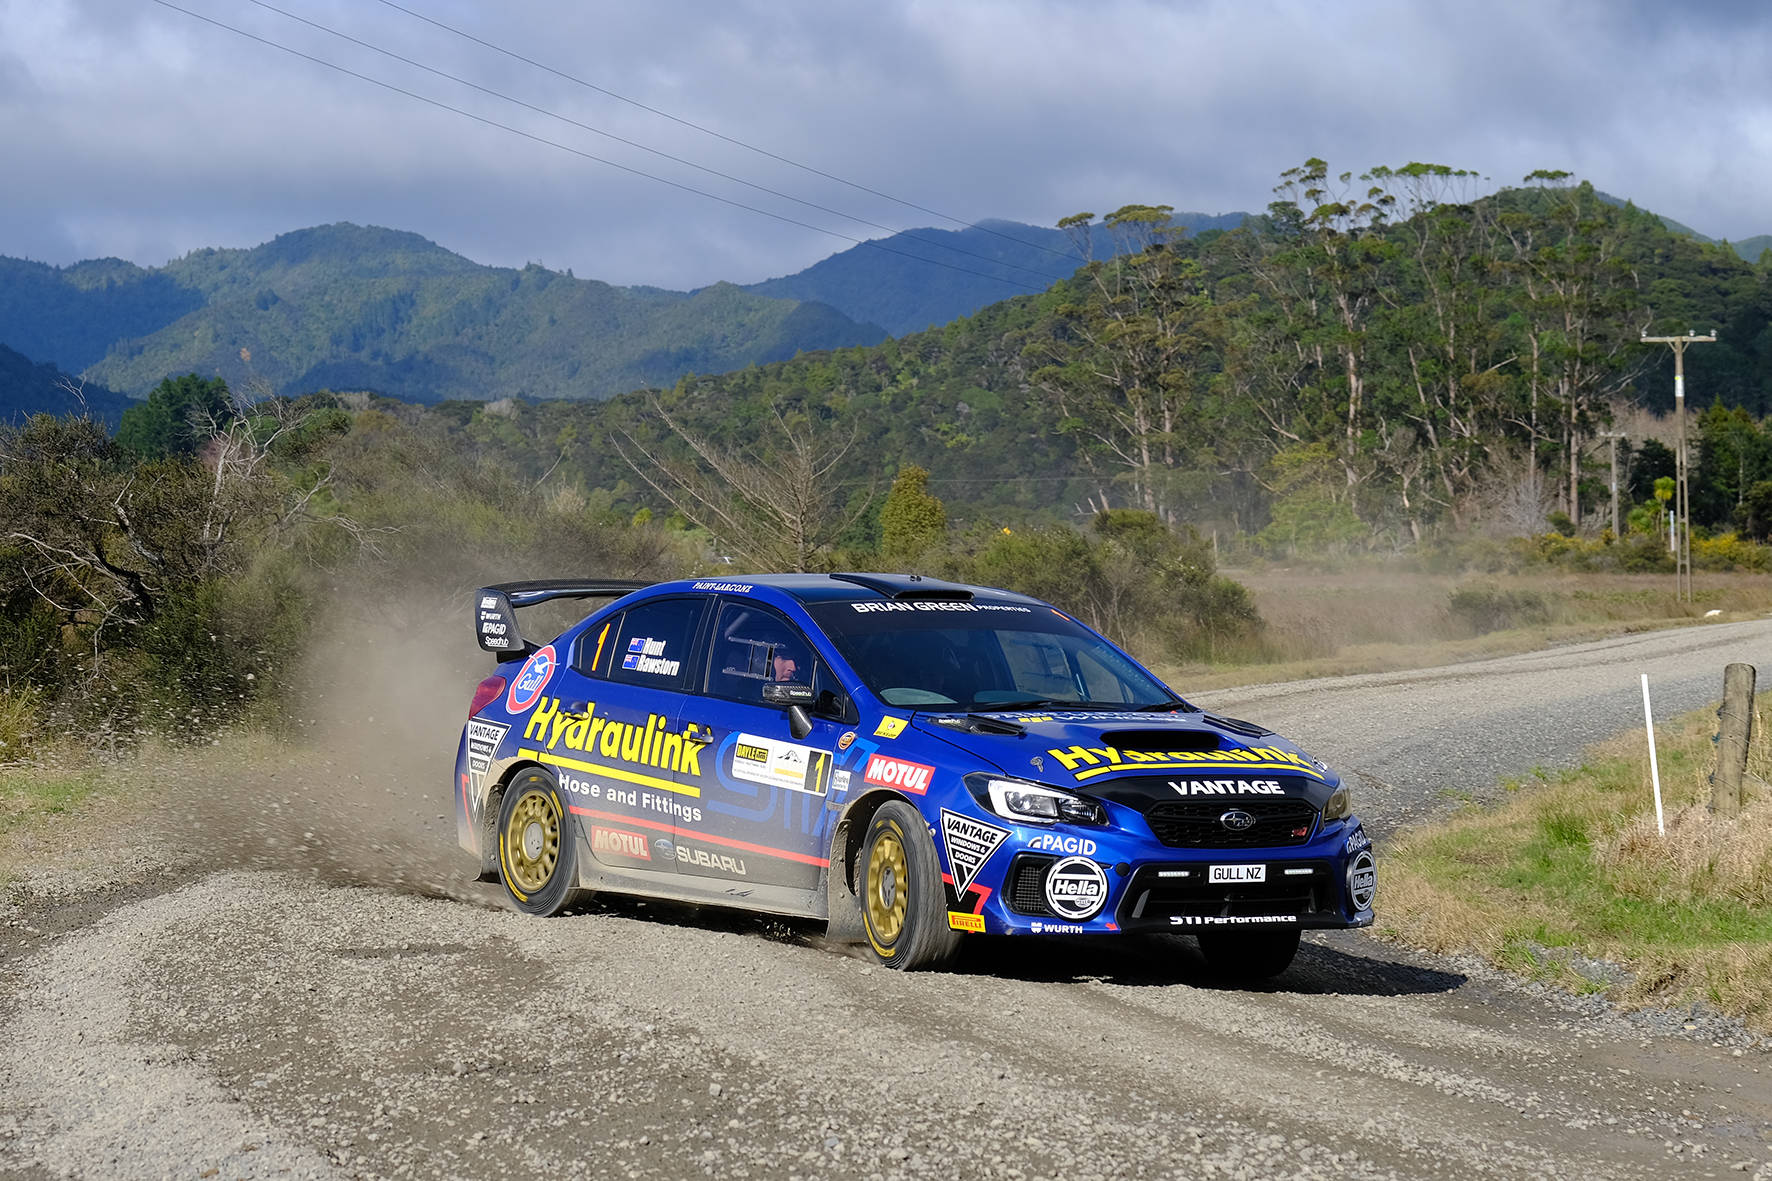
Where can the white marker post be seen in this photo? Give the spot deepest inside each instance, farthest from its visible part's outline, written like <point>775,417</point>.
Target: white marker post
<point>1654,770</point>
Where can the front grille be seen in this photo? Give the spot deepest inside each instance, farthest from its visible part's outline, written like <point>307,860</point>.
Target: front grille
<point>1194,824</point>
<point>1026,885</point>
<point>1156,896</point>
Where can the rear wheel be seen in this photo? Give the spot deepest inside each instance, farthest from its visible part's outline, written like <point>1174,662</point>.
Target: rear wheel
<point>1249,955</point>
<point>537,852</point>
<point>903,904</point>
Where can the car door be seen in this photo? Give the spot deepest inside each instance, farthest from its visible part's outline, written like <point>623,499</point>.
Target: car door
<point>614,737</point>
<point>763,819</point>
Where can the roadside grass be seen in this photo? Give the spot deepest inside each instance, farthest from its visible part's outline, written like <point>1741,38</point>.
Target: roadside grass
<point>34,796</point>
<point>35,800</point>
<point>1568,873</point>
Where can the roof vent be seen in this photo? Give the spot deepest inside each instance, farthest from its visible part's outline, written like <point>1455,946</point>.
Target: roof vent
<point>897,586</point>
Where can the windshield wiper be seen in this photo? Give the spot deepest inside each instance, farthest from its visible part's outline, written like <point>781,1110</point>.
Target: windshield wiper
<point>1176,706</point>
<point>1001,706</point>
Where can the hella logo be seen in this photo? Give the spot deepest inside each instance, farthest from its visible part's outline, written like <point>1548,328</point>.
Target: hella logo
<point>1237,820</point>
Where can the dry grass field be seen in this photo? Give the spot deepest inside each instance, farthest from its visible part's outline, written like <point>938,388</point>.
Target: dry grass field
<point>1374,619</point>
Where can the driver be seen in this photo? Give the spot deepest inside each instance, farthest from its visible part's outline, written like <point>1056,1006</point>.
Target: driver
<point>785,657</point>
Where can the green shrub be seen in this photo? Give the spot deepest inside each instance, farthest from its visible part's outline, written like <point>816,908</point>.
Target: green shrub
<point>1487,609</point>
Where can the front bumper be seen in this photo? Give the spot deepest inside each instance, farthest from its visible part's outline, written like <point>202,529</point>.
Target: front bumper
<point>1327,883</point>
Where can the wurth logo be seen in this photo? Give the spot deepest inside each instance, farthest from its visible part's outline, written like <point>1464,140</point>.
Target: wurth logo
<point>911,777</point>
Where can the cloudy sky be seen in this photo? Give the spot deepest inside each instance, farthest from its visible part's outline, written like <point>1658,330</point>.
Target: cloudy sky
<point>131,128</point>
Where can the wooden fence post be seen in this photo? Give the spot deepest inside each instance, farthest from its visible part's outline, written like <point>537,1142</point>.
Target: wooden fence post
<point>1735,728</point>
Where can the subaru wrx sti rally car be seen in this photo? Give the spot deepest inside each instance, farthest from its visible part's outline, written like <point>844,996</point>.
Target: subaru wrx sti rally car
<point>910,760</point>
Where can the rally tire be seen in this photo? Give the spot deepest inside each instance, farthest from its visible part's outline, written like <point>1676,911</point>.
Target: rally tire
<point>1249,955</point>
<point>537,845</point>
<point>903,902</point>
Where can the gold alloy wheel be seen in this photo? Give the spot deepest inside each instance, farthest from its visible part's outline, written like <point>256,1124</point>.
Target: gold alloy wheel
<point>532,841</point>
<point>887,886</point>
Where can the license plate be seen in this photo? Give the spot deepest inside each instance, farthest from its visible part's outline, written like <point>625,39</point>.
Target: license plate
<point>1238,873</point>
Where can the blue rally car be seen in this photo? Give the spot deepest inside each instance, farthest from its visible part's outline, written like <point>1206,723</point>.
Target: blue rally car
<point>907,759</point>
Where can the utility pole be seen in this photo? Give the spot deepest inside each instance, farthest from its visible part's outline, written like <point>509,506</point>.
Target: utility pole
<point>1682,522</point>
<point>1612,438</point>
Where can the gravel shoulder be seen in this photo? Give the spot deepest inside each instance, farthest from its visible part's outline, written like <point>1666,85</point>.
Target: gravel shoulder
<point>318,990</point>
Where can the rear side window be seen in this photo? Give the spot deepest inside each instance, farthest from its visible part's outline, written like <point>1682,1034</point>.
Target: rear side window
<point>652,644</point>
<point>595,647</point>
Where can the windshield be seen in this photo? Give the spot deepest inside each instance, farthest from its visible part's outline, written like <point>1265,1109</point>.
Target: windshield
<point>982,655</point>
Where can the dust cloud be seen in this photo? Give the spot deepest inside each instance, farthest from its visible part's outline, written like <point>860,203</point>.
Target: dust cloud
<point>354,786</point>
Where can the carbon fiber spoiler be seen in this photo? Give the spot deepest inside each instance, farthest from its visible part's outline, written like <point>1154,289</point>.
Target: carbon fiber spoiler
<point>495,607</point>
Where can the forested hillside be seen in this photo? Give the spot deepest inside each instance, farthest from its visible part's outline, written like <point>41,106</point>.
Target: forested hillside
<point>926,277</point>
<point>27,388</point>
<point>358,307</point>
<point>1367,371</point>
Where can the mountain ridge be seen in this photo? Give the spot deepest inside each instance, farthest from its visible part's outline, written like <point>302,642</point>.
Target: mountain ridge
<point>350,306</point>
<point>365,307</point>
<point>890,281</point>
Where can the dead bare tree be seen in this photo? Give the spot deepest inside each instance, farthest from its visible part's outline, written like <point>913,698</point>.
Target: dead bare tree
<point>771,504</point>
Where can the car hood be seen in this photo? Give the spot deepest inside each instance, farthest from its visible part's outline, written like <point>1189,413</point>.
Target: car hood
<point>1138,758</point>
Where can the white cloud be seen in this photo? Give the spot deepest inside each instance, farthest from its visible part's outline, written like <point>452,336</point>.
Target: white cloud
<point>135,130</point>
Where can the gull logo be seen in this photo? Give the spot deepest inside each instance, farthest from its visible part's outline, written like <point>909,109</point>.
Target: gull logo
<point>1237,820</point>
<point>526,689</point>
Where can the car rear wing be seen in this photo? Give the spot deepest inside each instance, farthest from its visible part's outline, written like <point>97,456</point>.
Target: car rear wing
<point>495,607</point>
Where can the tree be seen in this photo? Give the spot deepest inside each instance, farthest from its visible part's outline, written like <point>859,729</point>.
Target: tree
<point>1127,359</point>
<point>1579,305</point>
<point>1329,271</point>
<point>1443,324</point>
<point>1733,456</point>
<point>771,503</point>
<point>911,520</point>
<point>180,415</point>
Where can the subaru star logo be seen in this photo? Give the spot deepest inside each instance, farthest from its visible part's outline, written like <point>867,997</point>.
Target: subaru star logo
<point>1237,820</point>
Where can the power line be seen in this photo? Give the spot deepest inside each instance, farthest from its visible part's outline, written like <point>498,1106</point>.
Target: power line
<point>717,135</point>
<point>1049,278</point>
<point>583,154</point>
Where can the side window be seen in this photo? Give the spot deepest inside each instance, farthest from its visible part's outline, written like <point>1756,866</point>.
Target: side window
<point>595,646</point>
<point>754,646</point>
<point>652,644</point>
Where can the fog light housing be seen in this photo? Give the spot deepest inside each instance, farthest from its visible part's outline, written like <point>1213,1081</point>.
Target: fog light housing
<point>1362,880</point>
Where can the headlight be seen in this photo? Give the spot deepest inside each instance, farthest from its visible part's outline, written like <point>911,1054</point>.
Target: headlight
<point>1033,803</point>
<point>1340,804</point>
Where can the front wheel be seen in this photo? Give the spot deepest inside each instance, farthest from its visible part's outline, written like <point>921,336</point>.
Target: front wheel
<point>1249,955</point>
<point>903,904</point>
<point>537,854</point>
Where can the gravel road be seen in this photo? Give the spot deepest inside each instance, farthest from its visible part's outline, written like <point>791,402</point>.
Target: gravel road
<point>222,990</point>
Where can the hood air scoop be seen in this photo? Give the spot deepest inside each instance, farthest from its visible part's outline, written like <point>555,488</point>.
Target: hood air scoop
<point>1162,740</point>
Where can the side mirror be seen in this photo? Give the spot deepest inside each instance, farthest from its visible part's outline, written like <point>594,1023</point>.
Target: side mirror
<point>495,624</point>
<point>788,693</point>
<point>796,696</point>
